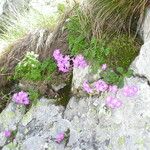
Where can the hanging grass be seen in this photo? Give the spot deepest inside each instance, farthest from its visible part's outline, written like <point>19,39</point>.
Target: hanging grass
<point>116,16</point>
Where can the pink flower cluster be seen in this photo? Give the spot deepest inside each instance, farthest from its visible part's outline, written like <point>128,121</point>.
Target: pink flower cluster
<point>100,86</point>
<point>130,91</point>
<point>79,62</point>
<point>87,87</point>
<point>113,88</point>
<point>7,133</point>
<point>63,62</point>
<point>21,98</point>
<point>113,102</point>
<point>60,137</point>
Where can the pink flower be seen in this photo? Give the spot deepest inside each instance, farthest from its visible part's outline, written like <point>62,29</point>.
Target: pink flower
<point>104,66</point>
<point>79,62</point>
<point>130,91</point>
<point>21,98</point>
<point>100,86</point>
<point>87,88</point>
<point>60,137</point>
<point>7,133</point>
<point>113,88</point>
<point>63,62</point>
<point>57,54</point>
<point>113,102</point>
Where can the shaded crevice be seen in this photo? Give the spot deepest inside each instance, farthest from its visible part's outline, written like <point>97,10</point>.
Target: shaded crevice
<point>65,93</point>
<point>142,77</point>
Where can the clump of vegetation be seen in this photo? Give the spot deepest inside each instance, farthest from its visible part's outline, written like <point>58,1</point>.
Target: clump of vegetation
<point>31,69</point>
<point>34,75</point>
<point>117,52</point>
<point>81,43</point>
<point>112,17</point>
<point>116,77</point>
<point>34,95</point>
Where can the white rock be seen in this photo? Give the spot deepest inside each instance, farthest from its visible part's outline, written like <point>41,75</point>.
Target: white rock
<point>141,65</point>
<point>145,31</point>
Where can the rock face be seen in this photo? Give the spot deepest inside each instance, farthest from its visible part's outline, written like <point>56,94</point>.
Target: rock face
<point>9,120</point>
<point>141,63</point>
<point>91,125</point>
<point>145,31</point>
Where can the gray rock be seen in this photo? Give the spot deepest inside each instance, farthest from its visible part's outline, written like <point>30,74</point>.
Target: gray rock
<point>81,75</point>
<point>9,119</point>
<point>142,62</point>
<point>145,29</point>
<point>40,125</point>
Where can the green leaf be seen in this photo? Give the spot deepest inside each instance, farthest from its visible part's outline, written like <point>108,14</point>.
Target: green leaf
<point>33,94</point>
<point>107,51</point>
<point>121,82</point>
<point>120,70</point>
<point>129,73</point>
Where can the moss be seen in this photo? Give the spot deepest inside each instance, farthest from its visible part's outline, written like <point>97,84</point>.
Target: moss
<point>123,50</point>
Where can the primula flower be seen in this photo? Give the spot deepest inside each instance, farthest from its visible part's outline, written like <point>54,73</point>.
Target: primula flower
<point>7,133</point>
<point>113,102</point>
<point>87,88</point>
<point>21,98</point>
<point>104,66</point>
<point>60,137</point>
<point>130,91</point>
<point>63,62</point>
<point>113,88</point>
<point>100,86</point>
<point>79,62</point>
<point>57,54</point>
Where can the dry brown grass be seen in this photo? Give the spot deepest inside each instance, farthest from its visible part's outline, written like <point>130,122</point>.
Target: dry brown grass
<point>111,17</point>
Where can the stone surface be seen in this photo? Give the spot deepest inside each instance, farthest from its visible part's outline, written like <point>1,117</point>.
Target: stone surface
<point>91,124</point>
<point>80,75</point>
<point>39,127</point>
<point>145,30</point>
<point>126,128</point>
<point>142,62</point>
<point>9,119</point>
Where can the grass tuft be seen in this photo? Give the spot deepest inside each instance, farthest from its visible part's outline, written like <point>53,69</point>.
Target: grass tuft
<point>14,28</point>
<point>116,16</point>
